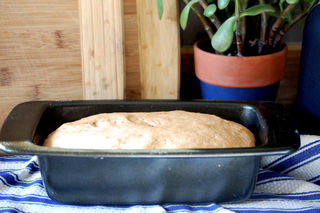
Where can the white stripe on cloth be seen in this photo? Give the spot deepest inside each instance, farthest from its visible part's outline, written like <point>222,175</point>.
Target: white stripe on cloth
<point>285,184</point>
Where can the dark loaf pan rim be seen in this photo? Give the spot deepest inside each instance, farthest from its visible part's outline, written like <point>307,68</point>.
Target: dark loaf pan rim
<point>24,145</point>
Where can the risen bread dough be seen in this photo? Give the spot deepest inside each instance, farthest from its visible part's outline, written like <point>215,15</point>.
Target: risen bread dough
<point>153,130</point>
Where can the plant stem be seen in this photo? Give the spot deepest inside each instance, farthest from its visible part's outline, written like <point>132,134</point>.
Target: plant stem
<point>263,30</point>
<point>279,39</point>
<point>214,19</point>
<point>239,40</point>
<point>203,21</point>
<point>277,24</point>
<point>244,4</point>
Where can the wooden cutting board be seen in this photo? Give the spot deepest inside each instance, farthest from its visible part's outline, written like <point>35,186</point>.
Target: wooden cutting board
<point>39,52</point>
<point>102,48</point>
<point>159,50</point>
<point>102,45</point>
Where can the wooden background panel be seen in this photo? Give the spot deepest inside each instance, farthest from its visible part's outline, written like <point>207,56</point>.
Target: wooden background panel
<point>102,49</point>
<point>39,52</point>
<point>131,50</point>
<point>159,50</point>
<point>288,86</point>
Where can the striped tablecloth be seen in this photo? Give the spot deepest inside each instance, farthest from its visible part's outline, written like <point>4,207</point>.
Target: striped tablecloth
<point>288,183</point>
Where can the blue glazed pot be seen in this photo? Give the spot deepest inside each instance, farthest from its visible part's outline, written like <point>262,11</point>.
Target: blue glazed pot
<point>213,92</point>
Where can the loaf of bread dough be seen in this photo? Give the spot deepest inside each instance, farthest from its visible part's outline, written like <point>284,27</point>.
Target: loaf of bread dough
<point>151,130</point>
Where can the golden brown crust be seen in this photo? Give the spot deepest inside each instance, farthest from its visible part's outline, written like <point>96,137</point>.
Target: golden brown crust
<point>155,130</point>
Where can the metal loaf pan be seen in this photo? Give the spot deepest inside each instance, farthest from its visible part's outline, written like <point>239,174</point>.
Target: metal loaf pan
<point>123,177</point>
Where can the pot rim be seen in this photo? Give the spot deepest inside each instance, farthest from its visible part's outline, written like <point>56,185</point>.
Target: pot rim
<point>239,72</point>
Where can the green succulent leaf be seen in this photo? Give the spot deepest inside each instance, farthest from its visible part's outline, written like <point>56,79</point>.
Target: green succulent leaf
<point>160,8</point>
<point>222,39</point>
<point>210,1</point>
<point>281,4</point>
<point>185,14</point>
<point>274,14</point>
<point>257,9</point>
<point>223,4</point>
<point>292,1</point>
<point>210,10</point>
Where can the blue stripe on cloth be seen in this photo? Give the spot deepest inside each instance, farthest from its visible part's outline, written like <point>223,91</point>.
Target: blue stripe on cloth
<point>285,156</point>
<point>314,178</point>
<point>317,182</point>
<point>33,167</point>
<point>11,210</point>
<point>275,180</point>
<point>212,207</point>
<point>310,197</point>
<point>266,174</point>
<point>15,158</point>
<point>303,164</point>
<point>296,193</point>
<point>273,210</point>
<point>33,199</point>
<point>28,198</point>
<point>11,179</point>
<point>296,159</point>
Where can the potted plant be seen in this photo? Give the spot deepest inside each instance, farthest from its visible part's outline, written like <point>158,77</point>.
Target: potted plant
<point>244,55</point>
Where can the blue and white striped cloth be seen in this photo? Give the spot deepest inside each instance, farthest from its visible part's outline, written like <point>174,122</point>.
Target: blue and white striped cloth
<point>289,183</point>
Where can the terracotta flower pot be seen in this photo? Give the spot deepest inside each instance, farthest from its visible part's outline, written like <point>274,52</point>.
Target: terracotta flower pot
<point>239,78</point>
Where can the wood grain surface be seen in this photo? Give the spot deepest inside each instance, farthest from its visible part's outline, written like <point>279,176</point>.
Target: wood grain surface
<point>131,50</point>
<point>102,48</point>
<point>159,50</point>
<point>39,52</point>
<point>289,84</point>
